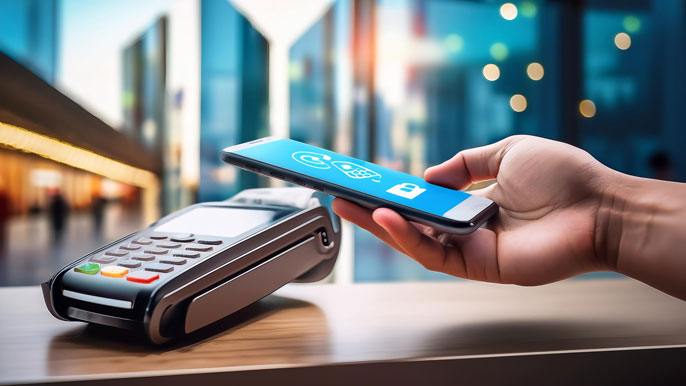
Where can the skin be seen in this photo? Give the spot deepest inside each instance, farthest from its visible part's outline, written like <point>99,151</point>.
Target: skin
<point>562,213</point>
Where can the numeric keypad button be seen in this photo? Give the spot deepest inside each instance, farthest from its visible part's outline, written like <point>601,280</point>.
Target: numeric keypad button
<point>103,259</point>
<point>209,241</point>
<point>156,251</point>
<point>168,245</point>
<point>130,263</point>
<point>173,260</point>
<point>198,248</point>
<point>130,247</point>
<point>142,241</point>
<point>143,257</point>
<point>156,267</point>
<point>116,253</point>
<point>188,255</point>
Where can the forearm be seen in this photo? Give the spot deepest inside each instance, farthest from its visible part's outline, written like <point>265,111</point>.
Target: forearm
<point>642,231</point>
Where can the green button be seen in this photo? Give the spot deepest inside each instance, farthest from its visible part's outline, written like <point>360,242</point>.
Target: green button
<point>88,268</point>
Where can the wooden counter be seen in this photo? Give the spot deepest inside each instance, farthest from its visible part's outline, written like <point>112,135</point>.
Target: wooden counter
<point>608,331</point>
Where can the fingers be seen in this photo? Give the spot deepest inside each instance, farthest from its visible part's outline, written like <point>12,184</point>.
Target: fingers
<point>472,256</point>
<point>492,192</point>
<point>362,217</point>
<point>426,250</point>
<point>469,166</point>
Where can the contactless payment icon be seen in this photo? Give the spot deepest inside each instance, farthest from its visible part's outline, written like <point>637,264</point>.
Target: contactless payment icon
<point>406,190</point>
<point>356,171</point>
<point>312,159</point>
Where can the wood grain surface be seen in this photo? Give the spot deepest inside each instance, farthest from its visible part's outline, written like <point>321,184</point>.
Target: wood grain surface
<point>311,325</point>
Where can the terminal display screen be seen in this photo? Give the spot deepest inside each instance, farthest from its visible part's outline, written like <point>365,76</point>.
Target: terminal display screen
<point>217,221</point>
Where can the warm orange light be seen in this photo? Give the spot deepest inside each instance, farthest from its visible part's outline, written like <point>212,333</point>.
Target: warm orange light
<point>535,71</point>
<point>587,108</point>
<point>65,153</point>
<point>491,72</point>
<point>518,103</point>
<point>623,41</point>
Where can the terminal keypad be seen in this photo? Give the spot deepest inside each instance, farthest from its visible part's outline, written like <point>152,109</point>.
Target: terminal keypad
<point>149,258</point>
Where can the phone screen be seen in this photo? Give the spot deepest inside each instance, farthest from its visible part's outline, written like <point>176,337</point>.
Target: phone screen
<point>364,177</point>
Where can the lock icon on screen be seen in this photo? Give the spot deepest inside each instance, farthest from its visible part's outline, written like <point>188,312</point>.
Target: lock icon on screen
<point>406,190</point>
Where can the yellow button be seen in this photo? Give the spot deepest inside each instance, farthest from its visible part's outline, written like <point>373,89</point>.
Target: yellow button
<point>114,271</point>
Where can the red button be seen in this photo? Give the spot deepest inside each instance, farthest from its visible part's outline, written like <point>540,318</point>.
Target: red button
<point>144,277</point>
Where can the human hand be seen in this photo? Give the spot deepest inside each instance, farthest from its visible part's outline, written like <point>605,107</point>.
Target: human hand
<point>549,194</point>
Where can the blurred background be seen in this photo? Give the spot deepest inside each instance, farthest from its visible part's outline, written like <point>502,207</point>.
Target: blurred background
<point>113,112</point>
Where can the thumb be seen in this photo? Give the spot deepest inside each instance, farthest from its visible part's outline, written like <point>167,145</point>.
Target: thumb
<point>469,166</point>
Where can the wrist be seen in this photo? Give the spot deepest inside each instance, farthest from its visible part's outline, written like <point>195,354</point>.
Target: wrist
<point>639,227</point>
<point>613,196</point>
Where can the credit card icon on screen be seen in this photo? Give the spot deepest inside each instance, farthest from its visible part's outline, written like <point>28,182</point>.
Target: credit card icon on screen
<point>356,171</point>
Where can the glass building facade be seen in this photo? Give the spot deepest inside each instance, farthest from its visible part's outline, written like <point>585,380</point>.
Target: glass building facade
<point>144,64</point>
<point>234,96</point>
<point>28,34</point>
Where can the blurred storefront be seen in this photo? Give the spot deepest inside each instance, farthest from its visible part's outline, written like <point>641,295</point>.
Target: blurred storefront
<point>68,181</point>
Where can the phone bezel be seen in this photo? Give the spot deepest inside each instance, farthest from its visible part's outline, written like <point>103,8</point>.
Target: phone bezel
<point>229,155</point>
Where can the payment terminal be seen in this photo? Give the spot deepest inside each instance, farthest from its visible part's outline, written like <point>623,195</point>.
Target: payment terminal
<point>200,264</point>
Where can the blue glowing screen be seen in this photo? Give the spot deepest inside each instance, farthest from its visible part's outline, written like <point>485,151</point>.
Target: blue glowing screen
<point>358,175</point>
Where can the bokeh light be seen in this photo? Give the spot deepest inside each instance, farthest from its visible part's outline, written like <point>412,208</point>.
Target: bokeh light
<point>535,71</point>
<point>491,72</point>
<point>631,23</point>
<point>528,9</point>
<point>518,103</point>
<point>623,41</point>
<point>587,108</point>
<point>453,43</point>
<point>508,11</point>
<point>499,51</point>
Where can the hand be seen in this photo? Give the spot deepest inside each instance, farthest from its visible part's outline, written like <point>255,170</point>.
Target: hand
<point>549,194</point>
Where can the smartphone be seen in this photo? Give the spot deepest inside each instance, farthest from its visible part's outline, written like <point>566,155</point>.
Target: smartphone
<point>364,183</point>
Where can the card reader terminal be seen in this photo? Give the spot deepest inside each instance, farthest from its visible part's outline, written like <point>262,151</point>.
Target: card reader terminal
<point>200,264</point>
